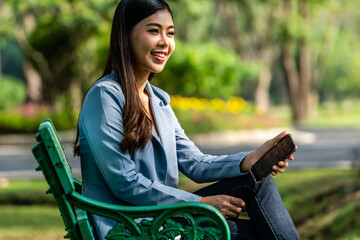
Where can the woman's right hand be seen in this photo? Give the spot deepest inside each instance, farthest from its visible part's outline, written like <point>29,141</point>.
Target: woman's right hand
<point>229,207</point>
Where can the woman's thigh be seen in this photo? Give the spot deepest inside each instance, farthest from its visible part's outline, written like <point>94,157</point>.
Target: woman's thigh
<point>240,187</point>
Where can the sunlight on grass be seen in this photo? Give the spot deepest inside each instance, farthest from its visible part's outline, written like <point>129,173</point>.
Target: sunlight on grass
<point>30,222</point>
<point>323,203</point>
<point>344,114</point>
<point>24,192</point>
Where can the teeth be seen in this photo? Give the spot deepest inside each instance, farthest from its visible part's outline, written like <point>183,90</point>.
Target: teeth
<point>158,54</point>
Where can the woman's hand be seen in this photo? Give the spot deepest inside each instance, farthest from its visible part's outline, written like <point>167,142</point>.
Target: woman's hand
<point>229,207</point>
<point>254,156</point>
<point>280,168</point>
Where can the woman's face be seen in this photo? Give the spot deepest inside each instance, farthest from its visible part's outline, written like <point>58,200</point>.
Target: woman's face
<point>152,42</point>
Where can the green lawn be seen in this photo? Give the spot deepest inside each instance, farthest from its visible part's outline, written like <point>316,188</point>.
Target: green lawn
<point>324,204</point>
<point>30,222</point>
<point>335,115</point>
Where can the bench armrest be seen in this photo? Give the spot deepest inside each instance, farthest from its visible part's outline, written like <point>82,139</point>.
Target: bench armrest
<point>200,219</point>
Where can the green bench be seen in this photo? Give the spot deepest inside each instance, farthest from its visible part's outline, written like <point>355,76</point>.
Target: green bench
<point>198,221</point>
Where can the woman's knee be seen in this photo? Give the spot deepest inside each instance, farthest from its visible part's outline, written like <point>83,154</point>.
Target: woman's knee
<point>269,182</point>
<point>268,186</point>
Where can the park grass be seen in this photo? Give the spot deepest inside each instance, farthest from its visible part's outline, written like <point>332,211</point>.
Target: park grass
<point>341,114</point>
<point>324,204</point>
<point>40,222</point>
<point>24,192</point>
<point>26,212</point>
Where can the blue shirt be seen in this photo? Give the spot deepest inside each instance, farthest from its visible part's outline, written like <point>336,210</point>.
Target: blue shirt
<point>150,175</point>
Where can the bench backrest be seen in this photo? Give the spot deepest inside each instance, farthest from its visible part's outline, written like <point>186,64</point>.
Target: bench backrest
<point>52,161</point>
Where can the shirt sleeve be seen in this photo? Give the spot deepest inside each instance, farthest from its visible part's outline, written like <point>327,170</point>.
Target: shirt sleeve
<point>101,121</point>
<point>201,167</point>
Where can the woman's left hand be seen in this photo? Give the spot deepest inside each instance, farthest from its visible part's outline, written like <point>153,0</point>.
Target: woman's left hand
<point>280,168</point>
<point>254,156</point>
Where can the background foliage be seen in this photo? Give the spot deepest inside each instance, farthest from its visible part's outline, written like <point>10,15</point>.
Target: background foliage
<point>256,50</point>
<point>205,70</point>
<point>12,92</point>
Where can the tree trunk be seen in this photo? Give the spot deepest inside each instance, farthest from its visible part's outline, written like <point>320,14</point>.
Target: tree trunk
<point>75,97</point>
<point>298,81</point>
<point>305,66</point>
<point>33,77</point>
<point>262,96</point>
<point>292,78</point>
<point>264,52</point>
<point>33,83</point>
<point>305,79</point>
<point>0,63</point>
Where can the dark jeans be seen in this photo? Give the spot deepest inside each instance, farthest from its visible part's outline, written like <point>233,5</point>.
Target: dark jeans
<point>269,218</point>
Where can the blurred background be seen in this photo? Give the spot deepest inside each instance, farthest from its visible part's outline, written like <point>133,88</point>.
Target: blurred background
<point>242,71</point>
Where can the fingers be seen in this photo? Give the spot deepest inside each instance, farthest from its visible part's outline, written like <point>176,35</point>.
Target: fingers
<point>232,212</point>
<point>280,168</point>
<point>230,206</point>
<point>235,207</point>
<point>282,164</point>
<point>237,201</point>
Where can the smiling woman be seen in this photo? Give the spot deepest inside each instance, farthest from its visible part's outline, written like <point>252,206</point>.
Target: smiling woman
<point>132,146</point>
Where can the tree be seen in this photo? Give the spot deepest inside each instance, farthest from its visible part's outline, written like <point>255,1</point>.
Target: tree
<point>250,26</point>
<point>299,35</point>
<point>247,27</point>
<point>307,40</point>
<point>55,37</point>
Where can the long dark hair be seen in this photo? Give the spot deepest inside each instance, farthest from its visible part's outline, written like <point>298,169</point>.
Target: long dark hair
<point>137,125</point>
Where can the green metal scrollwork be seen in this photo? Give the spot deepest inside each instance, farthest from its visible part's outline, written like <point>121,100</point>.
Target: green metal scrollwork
<point>188,226</point>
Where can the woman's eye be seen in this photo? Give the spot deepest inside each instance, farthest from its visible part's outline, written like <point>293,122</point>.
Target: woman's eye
<point>172,33</point>
<point>153,31</point>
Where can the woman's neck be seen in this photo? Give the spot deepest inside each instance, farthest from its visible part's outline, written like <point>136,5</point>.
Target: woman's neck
<point>141,80</point>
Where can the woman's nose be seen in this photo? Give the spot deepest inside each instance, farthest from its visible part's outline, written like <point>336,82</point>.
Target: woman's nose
<point>163,40</point>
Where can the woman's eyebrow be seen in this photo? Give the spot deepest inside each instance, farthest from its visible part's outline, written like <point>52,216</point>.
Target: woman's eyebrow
<point>159,25</point>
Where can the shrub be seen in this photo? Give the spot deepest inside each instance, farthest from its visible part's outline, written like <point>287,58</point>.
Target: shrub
<point>12,92</point>
<point>205,70</point>
<point>233,104</point>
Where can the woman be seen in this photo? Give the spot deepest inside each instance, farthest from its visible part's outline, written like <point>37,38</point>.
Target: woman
<point>132,146</point>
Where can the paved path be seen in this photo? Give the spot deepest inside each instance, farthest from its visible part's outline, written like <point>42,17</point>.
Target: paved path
<point>317,148</point>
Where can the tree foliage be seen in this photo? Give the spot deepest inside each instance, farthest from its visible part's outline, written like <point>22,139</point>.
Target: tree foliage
<point>56,38</point>
<point>12,92</point>
<point>205,70</point>
<point>224,48</point>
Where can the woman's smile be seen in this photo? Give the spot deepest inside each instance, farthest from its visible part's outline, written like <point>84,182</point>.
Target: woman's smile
<point>159,55</point>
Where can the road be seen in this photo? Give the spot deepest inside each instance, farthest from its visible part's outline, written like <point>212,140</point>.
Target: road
<point>328,148</point>
<point>316,149</point>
